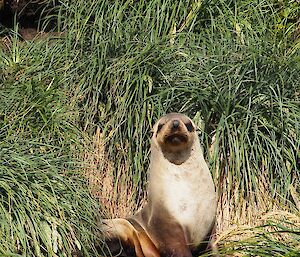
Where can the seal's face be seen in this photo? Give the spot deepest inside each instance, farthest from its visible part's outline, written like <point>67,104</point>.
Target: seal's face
<point>175,135</point>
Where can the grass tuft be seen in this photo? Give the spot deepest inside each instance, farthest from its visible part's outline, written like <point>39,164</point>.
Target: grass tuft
<point>76,109</point>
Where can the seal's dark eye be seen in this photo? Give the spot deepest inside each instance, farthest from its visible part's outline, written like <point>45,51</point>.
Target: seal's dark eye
<point>189,127</point>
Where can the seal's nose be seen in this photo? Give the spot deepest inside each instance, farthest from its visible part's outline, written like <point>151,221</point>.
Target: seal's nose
<point>175,124</point>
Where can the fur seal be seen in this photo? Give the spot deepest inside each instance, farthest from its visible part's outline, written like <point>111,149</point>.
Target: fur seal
<point>180,214</point>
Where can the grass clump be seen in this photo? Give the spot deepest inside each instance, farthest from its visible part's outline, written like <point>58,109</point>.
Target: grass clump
<point>46,208</point>
<point>276,234</point>
<point>42,209</point>
<point>75,113</point>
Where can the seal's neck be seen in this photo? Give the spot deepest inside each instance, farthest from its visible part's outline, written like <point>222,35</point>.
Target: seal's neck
<point>176,157</point>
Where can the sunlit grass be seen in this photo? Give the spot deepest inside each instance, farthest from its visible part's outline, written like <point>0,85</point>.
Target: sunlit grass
<point>76,112</point>
<point>276,234</point>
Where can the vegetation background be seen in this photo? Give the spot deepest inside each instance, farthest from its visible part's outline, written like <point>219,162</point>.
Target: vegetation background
<point>76,107</point>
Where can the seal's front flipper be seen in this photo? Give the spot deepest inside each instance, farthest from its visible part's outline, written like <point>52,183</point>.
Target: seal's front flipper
<point>126,239</point>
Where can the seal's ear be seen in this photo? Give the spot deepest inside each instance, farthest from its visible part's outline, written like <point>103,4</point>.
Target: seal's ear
<point>151,132</point>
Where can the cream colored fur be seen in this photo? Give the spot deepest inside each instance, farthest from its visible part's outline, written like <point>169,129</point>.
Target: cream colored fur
<point>187,190</point>
<point>181,208</point>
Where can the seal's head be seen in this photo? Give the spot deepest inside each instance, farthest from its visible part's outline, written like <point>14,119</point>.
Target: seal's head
<point>175,134</point>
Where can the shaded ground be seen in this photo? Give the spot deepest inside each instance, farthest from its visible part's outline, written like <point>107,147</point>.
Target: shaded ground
<point>28,14</point>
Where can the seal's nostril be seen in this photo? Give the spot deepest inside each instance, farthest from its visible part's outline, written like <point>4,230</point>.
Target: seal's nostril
<point>175,123</point>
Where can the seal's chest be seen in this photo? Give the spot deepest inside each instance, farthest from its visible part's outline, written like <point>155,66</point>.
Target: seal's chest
<point>183,196</point>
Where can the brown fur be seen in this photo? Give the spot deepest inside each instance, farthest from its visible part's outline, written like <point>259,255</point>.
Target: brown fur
<point>125,237</point>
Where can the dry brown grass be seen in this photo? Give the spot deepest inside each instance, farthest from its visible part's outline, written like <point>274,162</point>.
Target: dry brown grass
<point>245,219</point>
<point>115,196</point>
<point>234,211</point>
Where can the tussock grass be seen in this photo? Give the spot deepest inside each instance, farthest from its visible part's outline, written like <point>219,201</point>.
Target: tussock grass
<point>46,208</point>
<point>116,196</point>
<point>42,209</point>
<point>75,112</point>
<point>276,234</point>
